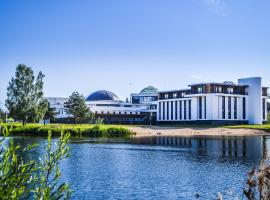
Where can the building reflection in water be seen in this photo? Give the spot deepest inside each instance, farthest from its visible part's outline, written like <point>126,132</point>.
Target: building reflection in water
<point>249,147</point>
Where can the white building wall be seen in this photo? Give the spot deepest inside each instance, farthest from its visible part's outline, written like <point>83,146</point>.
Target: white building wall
<point>194,105</point>
<point>254,114</point>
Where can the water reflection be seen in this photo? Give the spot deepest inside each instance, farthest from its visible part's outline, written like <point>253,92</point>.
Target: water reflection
<point>158,167</point>
<point>252,147</point>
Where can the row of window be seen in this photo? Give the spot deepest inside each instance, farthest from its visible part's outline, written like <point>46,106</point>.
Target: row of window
<point>235,108</point>
<point>264,108</point>
<point>202,103</point>
<point>176,110</point>
<point>126,113</point>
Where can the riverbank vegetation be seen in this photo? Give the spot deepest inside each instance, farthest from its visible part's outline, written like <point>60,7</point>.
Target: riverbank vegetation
<point>263,127</point>
<point>24,178</point>
<point>84,130</point>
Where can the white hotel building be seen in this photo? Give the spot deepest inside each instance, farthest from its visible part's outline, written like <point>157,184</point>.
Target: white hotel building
<point>241,103</point>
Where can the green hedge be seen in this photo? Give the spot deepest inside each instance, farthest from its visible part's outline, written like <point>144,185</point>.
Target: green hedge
<point>94,131</point>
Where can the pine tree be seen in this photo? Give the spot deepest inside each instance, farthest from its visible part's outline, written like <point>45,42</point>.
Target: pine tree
<point>76,106</point>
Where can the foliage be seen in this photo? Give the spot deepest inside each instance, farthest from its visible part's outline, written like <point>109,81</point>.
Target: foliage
<point>268,118</point>
<point>75,130</point>
<point>50,113</point>
<point>2,115</point>
<point>99,121</point>
<point>50,173</point>
<point>258,182</point>
<point>21,178</point>
<point>76,106</point>
<point>25,95</point>
<point>263,127</point>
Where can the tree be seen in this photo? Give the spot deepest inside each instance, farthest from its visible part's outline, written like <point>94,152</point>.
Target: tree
<point>25,95</point>
<point>2,115</point>
<point>268,106</point>
<point>76,106</point>
<point>50,113</point>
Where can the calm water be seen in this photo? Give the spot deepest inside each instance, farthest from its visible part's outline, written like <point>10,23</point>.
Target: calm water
<point>159,167</point>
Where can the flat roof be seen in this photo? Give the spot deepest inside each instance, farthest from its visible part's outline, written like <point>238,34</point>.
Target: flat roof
<point>181,90</point>
<point>217,83</point>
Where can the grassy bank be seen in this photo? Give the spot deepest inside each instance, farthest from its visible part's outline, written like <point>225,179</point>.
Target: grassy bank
<point>106,131</point>
<point>263,127</point>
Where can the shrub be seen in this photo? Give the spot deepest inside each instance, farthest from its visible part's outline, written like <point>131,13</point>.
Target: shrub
<point>21,179</point>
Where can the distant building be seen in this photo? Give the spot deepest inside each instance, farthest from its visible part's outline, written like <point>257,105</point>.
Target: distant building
<point>224,103</point>
<point>147,97</point>
<point>106,105</point>
<point>245,102</point>
<point>58,104</point>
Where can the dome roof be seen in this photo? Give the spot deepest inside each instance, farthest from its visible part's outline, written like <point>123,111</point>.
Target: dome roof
<point>102,95</point>
<point>149,90</point>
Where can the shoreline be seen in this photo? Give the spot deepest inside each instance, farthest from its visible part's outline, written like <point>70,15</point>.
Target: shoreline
<point>194,131</point>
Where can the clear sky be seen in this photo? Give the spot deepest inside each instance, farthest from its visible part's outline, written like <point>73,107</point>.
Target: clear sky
<point>125,45</point>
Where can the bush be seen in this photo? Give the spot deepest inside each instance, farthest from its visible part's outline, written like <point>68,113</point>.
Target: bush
<point>22,179</point>
<point>96,131</point>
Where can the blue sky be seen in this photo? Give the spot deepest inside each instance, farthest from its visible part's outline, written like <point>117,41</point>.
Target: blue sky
<point>123,45</point>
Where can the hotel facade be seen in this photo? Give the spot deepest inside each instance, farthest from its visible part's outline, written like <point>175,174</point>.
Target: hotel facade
<point>205,103</point>
<point>215,103</point>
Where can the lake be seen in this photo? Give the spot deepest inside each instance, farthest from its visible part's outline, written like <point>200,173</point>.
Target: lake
<point>158,167</point>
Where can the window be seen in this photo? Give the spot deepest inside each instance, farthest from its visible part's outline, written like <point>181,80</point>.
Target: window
<point>174,95</point>
<point>199,89</point>
<point>218,89</point>
<point>163,115</point>
<point>230,90</point>
<point>159,110</point>
<point>166,96</point>
<point>230,107</point>
<point>235,107</point>
<point>200,107</point>
<point>175,110</point>
<point>263,102</point>
<point>189,109</point>
<point>180,108</point>
<point>171,110</point>
<point>244,108</point>
<point>185,110</point>
<point>223,107</point>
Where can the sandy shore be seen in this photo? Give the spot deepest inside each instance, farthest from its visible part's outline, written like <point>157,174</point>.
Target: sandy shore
<point>189,131</point>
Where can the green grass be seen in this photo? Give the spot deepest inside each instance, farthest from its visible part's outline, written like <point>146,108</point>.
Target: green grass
<point>83,130</point>
<point>263,127</point>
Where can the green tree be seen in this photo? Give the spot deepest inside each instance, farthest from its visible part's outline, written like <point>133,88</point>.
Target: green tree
<point>2,115</point>
<point>25,95</point>
<point>50,113</point>
<point>76,106</point>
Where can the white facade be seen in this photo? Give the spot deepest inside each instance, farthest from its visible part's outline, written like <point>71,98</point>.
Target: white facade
<point>249,106</point>
<point>58,104</point>
<point>114,107</point>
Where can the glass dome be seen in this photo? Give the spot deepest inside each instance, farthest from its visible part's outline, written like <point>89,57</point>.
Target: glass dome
<point>149,90</point>
<point>102,95</point>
